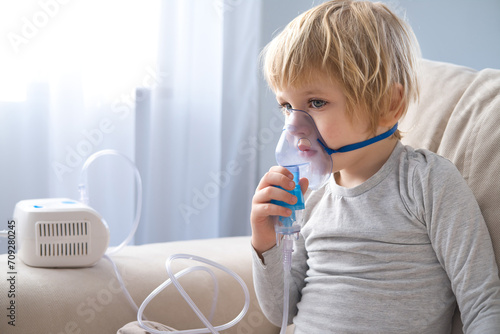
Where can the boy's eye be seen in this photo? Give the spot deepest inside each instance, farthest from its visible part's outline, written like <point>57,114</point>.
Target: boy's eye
<point>317,103</point>
<point>285,108</point>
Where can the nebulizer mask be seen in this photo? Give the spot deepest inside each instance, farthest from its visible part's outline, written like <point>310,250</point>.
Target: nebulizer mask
<point>301,150</point>
<point>301,145</point>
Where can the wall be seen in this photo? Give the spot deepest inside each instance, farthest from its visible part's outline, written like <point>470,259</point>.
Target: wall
<point>460,32</point>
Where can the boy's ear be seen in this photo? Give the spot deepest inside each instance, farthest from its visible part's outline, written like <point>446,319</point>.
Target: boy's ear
<point>396,107</point>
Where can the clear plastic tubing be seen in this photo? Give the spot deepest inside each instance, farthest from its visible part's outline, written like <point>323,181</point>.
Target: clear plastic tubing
<point>173,279</point>
<point>84,194</point>
<point>287,265</point>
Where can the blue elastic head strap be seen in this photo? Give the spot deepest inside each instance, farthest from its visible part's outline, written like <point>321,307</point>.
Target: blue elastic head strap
<point>355,146</point>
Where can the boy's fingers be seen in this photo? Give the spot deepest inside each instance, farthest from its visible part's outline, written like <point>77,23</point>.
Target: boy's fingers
<point>268,209</point>
<point>274,178</point>
<point>267,194</point>
<point>282,170</point>
<point>304,185</point>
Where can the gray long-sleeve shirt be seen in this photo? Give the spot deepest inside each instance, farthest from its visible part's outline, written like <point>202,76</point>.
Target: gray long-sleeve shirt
<point>392,255</point>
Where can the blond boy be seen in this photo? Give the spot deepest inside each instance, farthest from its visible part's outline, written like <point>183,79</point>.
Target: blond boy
<point>396,239</point>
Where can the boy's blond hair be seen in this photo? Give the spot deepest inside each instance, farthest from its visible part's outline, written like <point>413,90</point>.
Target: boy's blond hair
<point>362,46</point>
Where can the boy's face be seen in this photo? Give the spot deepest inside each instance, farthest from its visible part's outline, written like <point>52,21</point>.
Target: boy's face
<point>326,103</point>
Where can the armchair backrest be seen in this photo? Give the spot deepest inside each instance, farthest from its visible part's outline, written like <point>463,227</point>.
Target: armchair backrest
<point>458,117</point>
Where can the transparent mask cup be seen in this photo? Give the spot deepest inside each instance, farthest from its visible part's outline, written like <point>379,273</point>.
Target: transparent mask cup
<point>299,145</point>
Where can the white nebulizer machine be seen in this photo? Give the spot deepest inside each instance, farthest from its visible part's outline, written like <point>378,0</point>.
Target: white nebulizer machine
<point>302,150</point>
<point>59,232</point>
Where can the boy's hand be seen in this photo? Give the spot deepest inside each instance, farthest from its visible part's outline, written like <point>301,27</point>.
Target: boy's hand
<point>261,217</point>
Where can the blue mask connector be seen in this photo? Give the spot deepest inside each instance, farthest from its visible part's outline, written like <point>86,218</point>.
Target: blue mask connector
<point>288,226</point>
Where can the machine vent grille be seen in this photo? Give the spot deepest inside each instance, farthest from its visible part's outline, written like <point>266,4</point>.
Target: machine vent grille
<point>64,249</point>
<point>56,239</point>
<point>63,229</point>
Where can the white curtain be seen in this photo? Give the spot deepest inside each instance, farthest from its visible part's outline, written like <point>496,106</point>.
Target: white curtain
<point>70,71</point>
<point>198,175</point>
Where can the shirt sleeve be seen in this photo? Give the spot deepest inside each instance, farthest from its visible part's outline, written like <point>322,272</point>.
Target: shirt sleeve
<point>461,240</point>
<point>268,281</point>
